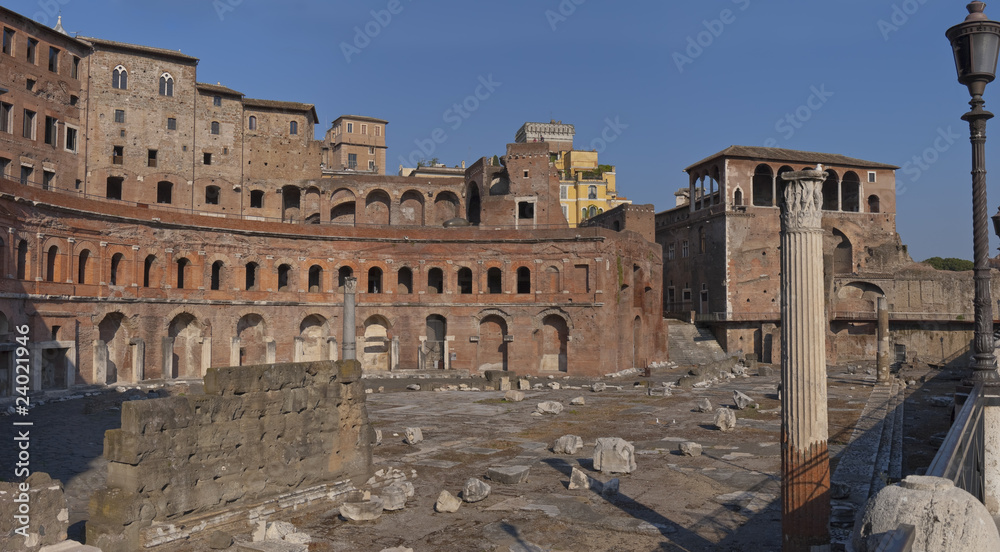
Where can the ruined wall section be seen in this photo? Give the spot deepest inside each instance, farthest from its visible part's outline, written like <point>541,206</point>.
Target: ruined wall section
<point>218,150</point>
<point>258,433</point>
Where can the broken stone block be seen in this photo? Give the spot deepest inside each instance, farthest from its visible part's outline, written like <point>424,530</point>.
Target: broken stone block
<point>514,396</point>
<point>447,503</point>
<point>742,401</point>
<point>368,510</point>
<point>523,384</point>
<point>505,384</point>
<point>378,437</point>
<point>578,401</point>
<point>413,435</point>
<point>550,407</point>
<point>393,498</point>
<point>568,444</point>
<point>658,391</point>
<point>614,455</point>
<point>406,487</point>
<point>580,480</point>
<point>598,387</point>
<point>413,387</point>
<point>220,540</point>
<point>725,419</point>
<point>690,448</point>
<point>508,475</point>
<point>739,370</point>
<point>276,530</point>
<point>765,371</point>
<point>553,385</point>
<point>475,490</point>
<point>705,405</point>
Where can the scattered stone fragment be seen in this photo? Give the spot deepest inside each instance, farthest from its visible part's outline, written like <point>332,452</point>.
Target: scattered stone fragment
<point>514,396</point>
<point>580,480</point>
<point>475,490</point>
<point>765,371</point>
<point>413,435</point>
<point>413,387</point>
<point>550,407</point>
<point>538,387</point>
<point>508,475</point>
<point>505,384</point>
<point>447,503</point>
<point>658,392</point>
<point>220,540</point>
<point>598,387</point>
<point>276,530</point>
<point>578,401</point>
<point>369,391</point>
<point>725,419</point>
<point>368,510</point>
<point>553,385</point>
<point>568,444</point>
<point>743,401</point>
<point>378,437</point>
<point>393,498</point>
<point>523,384</point>
<point>298,538</point>
<point>614,455</point>
<point>739,370</point>
<point>705,405</point>
<point>690,448</point>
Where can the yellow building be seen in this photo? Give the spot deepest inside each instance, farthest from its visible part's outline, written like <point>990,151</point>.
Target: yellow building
<point>586,188</point>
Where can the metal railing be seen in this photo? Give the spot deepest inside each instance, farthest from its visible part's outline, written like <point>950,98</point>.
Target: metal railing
<point>961,456</point>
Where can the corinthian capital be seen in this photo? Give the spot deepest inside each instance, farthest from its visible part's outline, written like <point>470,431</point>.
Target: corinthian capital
<point>803,199</point>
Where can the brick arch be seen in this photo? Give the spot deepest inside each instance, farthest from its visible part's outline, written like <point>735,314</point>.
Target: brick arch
<point>536,321</point>
<point>493,311</point>
<point>234,325</point>
<point>378,315</point>
<point>293,268</point>
<point>200,317</point>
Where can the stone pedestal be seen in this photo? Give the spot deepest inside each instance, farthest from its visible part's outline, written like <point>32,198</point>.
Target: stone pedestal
<point>805,461</point>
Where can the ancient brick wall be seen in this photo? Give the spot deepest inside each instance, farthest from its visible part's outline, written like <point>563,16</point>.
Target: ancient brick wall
<point>258,433</point>
<point>33,513</point>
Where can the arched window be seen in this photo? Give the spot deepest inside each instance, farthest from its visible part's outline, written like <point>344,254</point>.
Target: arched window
<point>50,264</point>
<point>343,274</point>
<point>252,123</point>
<point>283,272</point>
<point>593,211</point>
<point>763,186</point>
<point>465,281</point>
<point>315,279</point>
<point>22,260</point>
<point>164,192</point>
<point>166,85</point>
<point>404,280</point>
<point>116,262</point>
<point>850,193</point>
<point>524,280</point>
<point>251,276</point>
<point>212,195</point>
<point>494,280</point>
<point>182,265</point>
<point>584,213</point>
<point>831,191</point>
<point>217,275</point>
<point>147,269</point>
<point>215,127</point>
<point>256,199</point>
<point>738,197</point>
<point>119,78</point>
<point>435,280</point>
<point>374,280</point>
<point>81,265</point>
<point>873,206</point>
<point>293,127</point>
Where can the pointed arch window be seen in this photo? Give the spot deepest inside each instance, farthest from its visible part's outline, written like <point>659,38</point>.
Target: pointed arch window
<point>166,85</point>
<point>119,78</point>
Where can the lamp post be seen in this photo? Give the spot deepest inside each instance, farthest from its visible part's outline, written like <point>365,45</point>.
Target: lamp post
<point>976,43</point>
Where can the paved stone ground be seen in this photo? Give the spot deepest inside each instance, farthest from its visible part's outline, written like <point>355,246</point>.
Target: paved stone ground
<point>725,500</point>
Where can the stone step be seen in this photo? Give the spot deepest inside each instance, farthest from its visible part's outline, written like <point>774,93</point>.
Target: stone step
<point>691,345</point>
<point>69,546</point>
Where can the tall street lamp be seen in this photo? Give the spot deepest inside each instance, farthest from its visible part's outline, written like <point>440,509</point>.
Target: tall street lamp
<point>976,43</point>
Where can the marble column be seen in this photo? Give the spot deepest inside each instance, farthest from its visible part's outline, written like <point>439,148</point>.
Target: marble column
<point>805,461</point>
<point>350,289</point>
<point>883,340</point>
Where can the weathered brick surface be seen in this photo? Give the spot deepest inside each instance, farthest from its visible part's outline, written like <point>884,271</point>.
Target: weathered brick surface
<point>42,503</point>
<point>173,457</point>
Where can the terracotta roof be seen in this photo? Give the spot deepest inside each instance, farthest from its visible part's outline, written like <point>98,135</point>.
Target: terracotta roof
<point>792,156</point>
<point>135,47</point>
<point>217,88</point>
<point>362,118</point>
<point>283,106</point>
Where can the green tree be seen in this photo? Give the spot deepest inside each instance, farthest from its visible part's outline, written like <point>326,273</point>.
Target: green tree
<point>950,263</point>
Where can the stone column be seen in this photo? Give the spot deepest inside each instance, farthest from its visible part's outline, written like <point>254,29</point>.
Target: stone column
<point>167,354</point>
<point>100,349</point>
<point>234,352</point>
<point>331,348</point>
<point>883,340</point>
<point>138,358</point>
<point>805,461</point>
<point>271,350</point>
<point>350,289</point>
<point>206,355</point>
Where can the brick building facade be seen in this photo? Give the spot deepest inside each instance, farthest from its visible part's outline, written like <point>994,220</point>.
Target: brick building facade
<point>197,229</point>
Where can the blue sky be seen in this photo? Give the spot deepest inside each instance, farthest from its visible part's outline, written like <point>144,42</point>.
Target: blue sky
<point>621,70</point>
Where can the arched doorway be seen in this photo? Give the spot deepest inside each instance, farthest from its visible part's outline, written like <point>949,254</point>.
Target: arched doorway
<point>432,349</point>
<point>555,341</point>
<point>411,208</point>
<point>843,255</point>
<point>492,350</point>
<point>185,332</point>
<point>312,334</point>
<point>377,208</point>
<point>251,331</point>
<point>375,353</point>
<point>473,205</point>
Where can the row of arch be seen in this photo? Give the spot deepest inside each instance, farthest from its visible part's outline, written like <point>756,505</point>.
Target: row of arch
<point>377,206</point>
<point>839,194</point>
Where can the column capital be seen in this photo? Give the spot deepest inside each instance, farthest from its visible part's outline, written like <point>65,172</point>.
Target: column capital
<point>803,200</point>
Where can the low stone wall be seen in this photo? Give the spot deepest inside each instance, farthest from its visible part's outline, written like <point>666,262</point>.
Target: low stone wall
<point>32,513</point>
<point>261,439</point>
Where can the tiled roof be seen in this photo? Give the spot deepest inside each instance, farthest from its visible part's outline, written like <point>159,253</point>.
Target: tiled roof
<point>145,49</point>
<point>218,88</point>
<point>286,106</point>
<point>792,156</point>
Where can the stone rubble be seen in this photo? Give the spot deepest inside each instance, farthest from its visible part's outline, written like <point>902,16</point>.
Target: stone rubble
<point>368,510</point>
<point>393,498</point>
<point>598,387</point>
<point>725,419</point>
<point>413,435</point>
<point>475,490</point>
<point>614,455</point>
<point>550,407</point>
<point>514,396</point>
<point>447,503</point>
<point>568,444</point>
<point>689,448</point>
<point>743,401</point>
<point>578,401</point>
<point>705,405</point>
